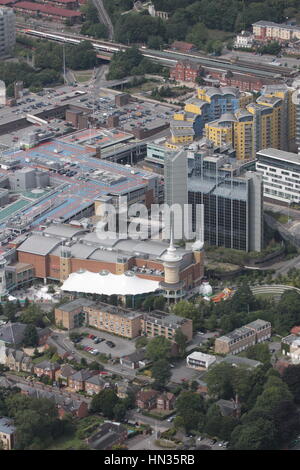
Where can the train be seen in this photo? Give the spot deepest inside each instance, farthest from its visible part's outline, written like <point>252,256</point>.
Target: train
<point>107,47</point>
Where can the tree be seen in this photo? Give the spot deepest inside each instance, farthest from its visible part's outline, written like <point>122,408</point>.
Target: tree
<point>186,309</point>
<point>10,310</point>
<point>243,300</point>
<point>33,314</point>
<point>190,408</point>
<point>291,377</point>
<point>181,341</point>
<point>213,425</point>
<point>31,338</point>
<point>159,303</point>
<point>141,342</point>
<point>119,411</point>
<point>83,362</point>
<point>95,366</point>
<point>219,381</point>
<point>198,35</point>
<point>158,348</point>
<point>259,352</point>
<point>161,372</point>
<point>148,303</point>
<point>105,402</point>
<point>155,42</point>
<point>259,435</point>
<point>131,62</point>
<point>36,421</point>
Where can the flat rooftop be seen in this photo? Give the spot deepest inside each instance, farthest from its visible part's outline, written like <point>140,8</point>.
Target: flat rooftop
<point>95,178</point>
<point>102,138</point>
<point>275,154</point>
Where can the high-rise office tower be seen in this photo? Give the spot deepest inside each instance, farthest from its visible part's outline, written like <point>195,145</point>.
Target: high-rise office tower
<point>7,31</point>
<point>232,200</point>
<point>176,176</point>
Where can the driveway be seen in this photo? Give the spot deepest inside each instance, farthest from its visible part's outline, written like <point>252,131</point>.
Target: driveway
<point>182,373</point>
<point>122,348</point>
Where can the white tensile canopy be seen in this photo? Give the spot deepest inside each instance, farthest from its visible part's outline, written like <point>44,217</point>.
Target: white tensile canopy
<point>108,284</point>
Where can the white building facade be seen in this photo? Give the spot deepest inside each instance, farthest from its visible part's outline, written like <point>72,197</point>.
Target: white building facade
<point>200,361</point>
<point>281,175</point>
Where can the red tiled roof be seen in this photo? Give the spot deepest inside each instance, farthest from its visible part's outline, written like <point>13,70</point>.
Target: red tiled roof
<point>183,45</point>
<point>47,9</point>
<point>63,1</point>
<point>144,395</point>
<point>7,2</point>
<point>295,330</point>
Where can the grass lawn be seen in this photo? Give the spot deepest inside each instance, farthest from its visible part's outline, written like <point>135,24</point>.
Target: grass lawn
<point>84,428</point>
<point>66,442</point>
<point>42,358</point>
<point>83,76</point>
<point>165,444</point>
<point>148,86</point>
<point>267,296</point>
<point>281,218</point>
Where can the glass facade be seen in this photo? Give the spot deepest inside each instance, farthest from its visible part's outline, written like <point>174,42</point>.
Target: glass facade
<point>225,220</point>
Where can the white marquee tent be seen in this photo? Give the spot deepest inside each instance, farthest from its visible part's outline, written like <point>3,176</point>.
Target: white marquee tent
<point>108,284</point>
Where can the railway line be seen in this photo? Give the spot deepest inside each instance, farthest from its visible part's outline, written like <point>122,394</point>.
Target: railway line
<point>166,56</point>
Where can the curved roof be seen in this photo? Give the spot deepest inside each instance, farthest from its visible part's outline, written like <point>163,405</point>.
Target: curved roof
<point>230,90</point>
<point>213,91</point>
<point>242,113</point>
<point>109,284</point>
<point>227,117</point>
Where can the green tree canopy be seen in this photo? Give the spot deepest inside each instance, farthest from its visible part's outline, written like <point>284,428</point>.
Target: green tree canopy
<point>31,338</point>
<point>161,372</point>
<point>158,348</point>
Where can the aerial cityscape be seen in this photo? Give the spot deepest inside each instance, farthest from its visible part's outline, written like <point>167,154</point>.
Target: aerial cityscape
<point>149,227</point>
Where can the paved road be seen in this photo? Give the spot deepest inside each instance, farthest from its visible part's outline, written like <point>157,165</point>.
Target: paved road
<point>145,443</point>
<point>294,213</point>
<point>284,266</point>
<point>104,17</point>
<point>154,423</point>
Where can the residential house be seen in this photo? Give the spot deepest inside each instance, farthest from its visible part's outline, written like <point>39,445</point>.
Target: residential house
<point>124,388</point>
<point>290,346</point>
<point>95,384</point>
<point>15,360</point>
<point>46,368</point>
<point>108,435</point>
<point>43,334</point>
<point>7,433</point>
<point>65,403</point>
<point>229,408</point>
<point>13,334</point>
<point>165,401</point>
<point>68,406</point>
<point>134,360</point>
<point>64,373</point>
<point>77,381</point>
<point>146,399</point>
